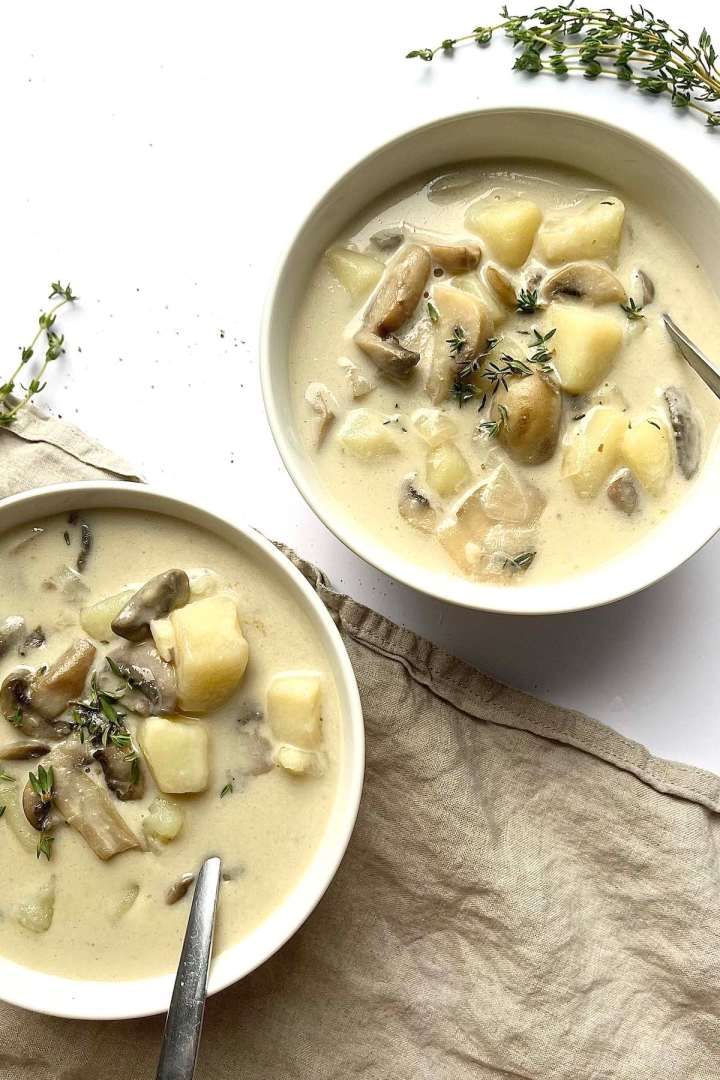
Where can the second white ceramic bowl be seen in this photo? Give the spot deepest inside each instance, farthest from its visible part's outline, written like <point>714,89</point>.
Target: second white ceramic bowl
<point>628,164</point>
<point>119,1000</point>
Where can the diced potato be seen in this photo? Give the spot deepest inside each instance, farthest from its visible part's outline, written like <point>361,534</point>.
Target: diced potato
<point>508,549</point>
<point>447,470</point>
<point>36,912</point>
<point>163,821</point>
<point>293,708</point>
<point>470,513</point>
<point>455,539</point>
<point>591,231</point>
<point>203,582</point>
<point>122,904</point>
<point>176,751</point>
<point>434,426</point>
<point>210,652</point>
<point>357,273</point>
<point>364,434</point>
<point>507,498</point>
<point>95,619</point>
<point>647,450</point>
<point>163,635</point>
<point>585,345</point>
<point>508,226</point>
<point>458,312</point>
<point>300,762</point>
<point>595,450</point>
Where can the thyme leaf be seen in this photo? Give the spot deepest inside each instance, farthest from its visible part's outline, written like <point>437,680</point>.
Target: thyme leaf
<point>44,846</point>
<point>227,790</point>
<point>527,301</point>
<point>633,310</point>
<point>519,562</point>
<point>492,428</point>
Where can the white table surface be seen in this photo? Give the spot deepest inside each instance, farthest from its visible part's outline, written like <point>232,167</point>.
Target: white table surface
<point>159,155</point>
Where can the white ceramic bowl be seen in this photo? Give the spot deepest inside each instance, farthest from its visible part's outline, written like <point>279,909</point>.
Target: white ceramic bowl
<point>117,1000</point>
<point>628,164</point>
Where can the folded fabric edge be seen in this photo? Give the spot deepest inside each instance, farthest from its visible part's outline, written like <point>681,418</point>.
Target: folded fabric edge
<point>483,698</point>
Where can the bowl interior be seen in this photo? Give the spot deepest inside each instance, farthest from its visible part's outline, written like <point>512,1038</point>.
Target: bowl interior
<point>104,1000</point>
<point>626,163</point>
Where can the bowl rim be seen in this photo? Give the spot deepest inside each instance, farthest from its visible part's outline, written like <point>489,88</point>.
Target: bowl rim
<point>484,598</point>
<point>85,999</point>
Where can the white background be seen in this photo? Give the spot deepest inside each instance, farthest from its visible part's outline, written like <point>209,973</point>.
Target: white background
<point>160,154</point>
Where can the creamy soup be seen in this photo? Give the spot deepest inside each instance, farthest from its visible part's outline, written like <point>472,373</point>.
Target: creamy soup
<point>163,700</point>
<point>482,378</point>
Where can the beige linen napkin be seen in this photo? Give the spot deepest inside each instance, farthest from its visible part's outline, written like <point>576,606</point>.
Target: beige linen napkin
<point>527,895</point>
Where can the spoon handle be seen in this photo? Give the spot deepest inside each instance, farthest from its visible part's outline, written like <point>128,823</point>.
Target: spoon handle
<point>697,359</point>
<point>181,1039</point>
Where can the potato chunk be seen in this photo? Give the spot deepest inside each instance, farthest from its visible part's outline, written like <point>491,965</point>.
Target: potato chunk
<point>591,231</point>
<point>507,226</point>
<point>647,450</point>
<point>595,450</point>
<point>96,618</point>
<point>293,708</point>
<point>210,652</point>
<point>434,426</point>
<point>176,751</point>
<point>300,762</point>
<point>36,912</point>
<point>447,470</point>
<point>365,434</point>
<point>505,497</point>
<point>585,345</point>
<point>163,821</point>
<point>357,273</point>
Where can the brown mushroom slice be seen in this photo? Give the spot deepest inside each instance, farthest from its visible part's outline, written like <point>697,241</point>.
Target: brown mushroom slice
<point>642,288</point>
<point>84,805</point>
<point>502,286</point>
<point>24,749</point>
<point>121,769</point>
<point>528,413</point>
<point>456,258</point>
<point>623,492</point>
<point>11,630</point>
<point>388,355</point>
<point>325,407</point>
<point>16,706</point>
<point>63,681</point>
<point>585,281</point>
<point>685,424</point>
<point>415,506</point>
<point>149,675</point>
<point>36,807</point>
<point>156,599</point>
<point>179,888</point>
<point>388,239</point>
<point>399,291</point>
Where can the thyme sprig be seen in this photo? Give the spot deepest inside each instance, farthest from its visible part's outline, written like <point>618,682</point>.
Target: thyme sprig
<point>10,403</point>
<point>492,428</point>
<point>43,785</point>
<point>633,311</point>
<point>519,562</point>
<point>637,49</point>
<point>527,301</point>
<point>99,721</point>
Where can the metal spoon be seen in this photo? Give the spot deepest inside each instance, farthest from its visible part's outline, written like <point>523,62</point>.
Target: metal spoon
<point>181,1039</point>
<point>697,359</point>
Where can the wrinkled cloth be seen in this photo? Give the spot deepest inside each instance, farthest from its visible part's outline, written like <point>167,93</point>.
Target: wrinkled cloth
<point>527,895</point>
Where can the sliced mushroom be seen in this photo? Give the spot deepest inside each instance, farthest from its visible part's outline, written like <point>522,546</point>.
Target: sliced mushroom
<point>23,749</point>
<point>63,681</point>
<point>35,640</point>
<point>456,258</point>
<point>623,492</point>
<point>86,544</point>
<point>84,805</point>
<point>399,292</point>
<point>16,707</point>
<point>179,888</point>
<point>586,281</point>
<point>149,675</point>
<point>156,599</point>
<point>325,407</point>
<point>686,427</point>
<point>642,288</point>
<point>388,239</point>
<point>387,354</point>
<point>502,286</point>
<point>530,423</point>
<point>36,807</point>
<point>11,630</point>
<point>121,769</point>
<point>415,506</point>
<point>360,385</point>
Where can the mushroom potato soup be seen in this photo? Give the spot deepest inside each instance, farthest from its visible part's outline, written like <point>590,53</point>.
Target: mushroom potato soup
<point>163,699</point>
<point>481,375</point>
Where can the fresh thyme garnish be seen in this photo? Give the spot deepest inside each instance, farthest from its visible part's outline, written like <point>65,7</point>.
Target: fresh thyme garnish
<point>636,48</point>
<point>458,341</point>
<point>10,406</point>
<point>462,390</point>
<point>632,310</point>
<point>43,783</point>
<point>100,721</point>
<point>227,790</point>
<point>6,778</point>
<point>580,416</point>
<point>432,311</point>
<point>655,424</point>
<point>44,846</point>
<point>527,301</point>
<point>16,718</point>
<point>2,810</point>
<point>539,352</point>
<point>519,562</point>
<point>492,428</point>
